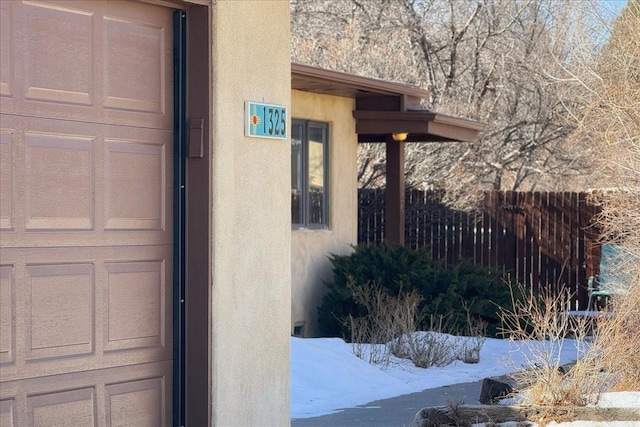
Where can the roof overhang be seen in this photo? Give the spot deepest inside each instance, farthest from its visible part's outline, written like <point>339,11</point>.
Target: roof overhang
<point>328,82</point>
<point>384,108</point>
<point>422,126</point>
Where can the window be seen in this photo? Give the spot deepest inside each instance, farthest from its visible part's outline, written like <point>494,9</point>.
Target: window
<point>309,170</point>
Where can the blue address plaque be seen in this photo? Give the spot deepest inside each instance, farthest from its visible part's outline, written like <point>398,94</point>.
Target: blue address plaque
<point>265,120</point>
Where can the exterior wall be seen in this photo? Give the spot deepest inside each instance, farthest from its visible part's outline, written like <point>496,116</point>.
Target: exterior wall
<point>251,272</point>
<point>309,248</point>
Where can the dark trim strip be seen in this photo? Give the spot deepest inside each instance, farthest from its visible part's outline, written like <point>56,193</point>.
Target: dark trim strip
<point>198,256</point>
<point>179,221</point>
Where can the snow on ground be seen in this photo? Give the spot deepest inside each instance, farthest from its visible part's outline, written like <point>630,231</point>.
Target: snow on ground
<point>619,399</point>
<point>327,376</point>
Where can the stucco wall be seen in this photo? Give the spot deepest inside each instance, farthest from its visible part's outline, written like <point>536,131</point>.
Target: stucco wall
<point>309,248</point>
<point>250,219</point>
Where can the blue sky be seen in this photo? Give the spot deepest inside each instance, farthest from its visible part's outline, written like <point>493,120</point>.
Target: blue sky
<point>613,6</point>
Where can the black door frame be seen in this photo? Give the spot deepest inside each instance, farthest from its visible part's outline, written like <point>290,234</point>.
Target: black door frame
<point>179,222</point>
<point>192,393</point>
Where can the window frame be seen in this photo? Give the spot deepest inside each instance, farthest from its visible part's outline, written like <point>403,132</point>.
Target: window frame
<point>303,176</point>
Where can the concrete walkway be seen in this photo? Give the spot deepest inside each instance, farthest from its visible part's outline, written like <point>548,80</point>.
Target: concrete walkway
<point>398,411</point>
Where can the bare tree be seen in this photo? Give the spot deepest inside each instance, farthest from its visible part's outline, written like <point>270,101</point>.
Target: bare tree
<point>491,60</point>
<point>607,79</point>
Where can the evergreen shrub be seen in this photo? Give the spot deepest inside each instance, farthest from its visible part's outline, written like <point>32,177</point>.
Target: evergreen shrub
<point>448,291</point>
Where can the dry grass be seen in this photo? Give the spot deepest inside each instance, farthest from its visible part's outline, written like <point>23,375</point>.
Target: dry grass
<point>616,346</point>
<point>608,360</point>
<point>542,323</point>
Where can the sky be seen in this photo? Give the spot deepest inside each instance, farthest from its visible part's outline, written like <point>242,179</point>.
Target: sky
<point>607,13</point>
<point>327,376</point>
<point>613,6</point>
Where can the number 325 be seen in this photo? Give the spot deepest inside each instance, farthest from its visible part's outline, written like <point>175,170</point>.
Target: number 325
<point>276,123</point>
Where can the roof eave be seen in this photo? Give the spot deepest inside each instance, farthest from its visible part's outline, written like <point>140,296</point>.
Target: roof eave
<point>384,108</point>
<point>315,79</point>
<point>422,126</point>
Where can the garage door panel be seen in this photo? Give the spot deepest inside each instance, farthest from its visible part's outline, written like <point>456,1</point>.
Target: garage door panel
<point>60,298</point>
<point>60,182</point>
<point>141,46</point>
<point>135,305</point>
<point>99,62</point>
<point>108,185</point>
<point>56,38</point>
<point>67,408</point>
<point>135,403</point>
<point>138,183</point>
<point>6,47</point>
<point>7,314</point>
<point>136,395</point>
<point>135,185</point>
<point>84,309</point>
<point>7,192</point>
<point>86,214</point>
<point>7,413</point>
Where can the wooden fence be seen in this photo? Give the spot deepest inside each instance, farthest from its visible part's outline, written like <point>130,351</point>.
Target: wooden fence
<point>537,238</point>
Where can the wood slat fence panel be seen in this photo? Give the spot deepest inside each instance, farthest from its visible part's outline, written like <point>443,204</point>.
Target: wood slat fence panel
<point>536,238</point>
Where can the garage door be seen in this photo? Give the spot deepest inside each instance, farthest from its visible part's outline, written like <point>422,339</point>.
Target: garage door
<point>85,213</point>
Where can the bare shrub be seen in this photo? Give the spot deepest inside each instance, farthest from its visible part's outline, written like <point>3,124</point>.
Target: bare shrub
<point>438,346</point>
<point>542,323</point>
<point>610,118</point>
<point>608,360</point>
<point>432,349</point>
<point>608,95</point>
<point>428,348</point>
<point>365,342</point>
<point>470,349</point>
<point>389,329</point>
<point>474,337</point>
<point>617,340</point>
<point>388,319</point>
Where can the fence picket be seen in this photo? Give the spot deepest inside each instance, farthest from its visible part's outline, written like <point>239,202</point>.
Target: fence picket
<point>536,238</point>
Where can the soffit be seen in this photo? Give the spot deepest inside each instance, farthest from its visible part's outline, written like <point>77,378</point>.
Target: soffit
<point>421,125</point>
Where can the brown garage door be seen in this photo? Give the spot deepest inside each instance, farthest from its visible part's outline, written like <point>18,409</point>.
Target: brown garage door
<point>85,213</point>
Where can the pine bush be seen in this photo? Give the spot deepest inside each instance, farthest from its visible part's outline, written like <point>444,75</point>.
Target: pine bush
<point>445,290</point>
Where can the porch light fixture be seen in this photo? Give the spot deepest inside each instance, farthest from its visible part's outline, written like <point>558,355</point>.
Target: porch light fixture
<point>399,137</point>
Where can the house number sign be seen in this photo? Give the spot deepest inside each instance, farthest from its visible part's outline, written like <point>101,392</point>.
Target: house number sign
<point>265,120</point>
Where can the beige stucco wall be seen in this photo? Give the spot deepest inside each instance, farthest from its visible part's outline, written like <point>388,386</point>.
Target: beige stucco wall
<point>250,218</point>
<point>309,248</point>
